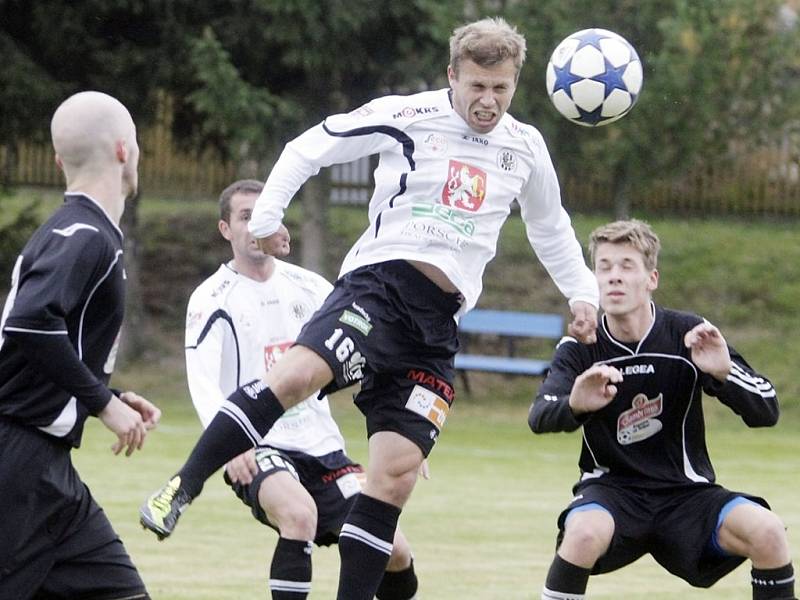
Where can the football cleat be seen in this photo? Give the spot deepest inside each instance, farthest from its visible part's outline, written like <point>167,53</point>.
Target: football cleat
<point>161,511</point>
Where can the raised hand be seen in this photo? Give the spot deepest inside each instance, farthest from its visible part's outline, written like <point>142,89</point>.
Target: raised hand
<point>709,350</point>
<point>584,326</point>
<point>242,468</point>
<point>277,244</point>
<point>594,388</point>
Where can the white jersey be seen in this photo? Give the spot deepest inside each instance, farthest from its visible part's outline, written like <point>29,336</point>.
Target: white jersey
<point>236,328</point>
<point>442,191</point>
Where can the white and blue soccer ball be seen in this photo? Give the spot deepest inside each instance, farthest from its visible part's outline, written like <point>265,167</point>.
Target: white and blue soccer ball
<point>594,77</point>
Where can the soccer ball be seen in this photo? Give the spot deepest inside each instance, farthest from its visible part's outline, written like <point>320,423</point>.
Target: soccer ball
<point>594,77</point>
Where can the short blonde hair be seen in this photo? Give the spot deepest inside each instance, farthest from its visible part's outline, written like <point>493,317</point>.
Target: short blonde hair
<point>487,42</point>
<point>634,232</point>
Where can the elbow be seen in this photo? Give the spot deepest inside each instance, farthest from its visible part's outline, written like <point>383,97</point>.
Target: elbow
<point>766,418</point>
<point>535,422</point>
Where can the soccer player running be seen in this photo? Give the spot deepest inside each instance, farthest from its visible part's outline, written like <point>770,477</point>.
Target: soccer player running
<point>452,162</point>
<point>60,329</point>
<point>298,479</point>
<point>647,484</point>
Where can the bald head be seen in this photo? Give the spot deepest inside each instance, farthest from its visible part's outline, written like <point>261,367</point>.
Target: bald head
<point>94,136</point>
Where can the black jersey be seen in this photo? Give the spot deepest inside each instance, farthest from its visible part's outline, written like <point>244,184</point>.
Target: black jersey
<point>61,321</point>
<point>653,431</point>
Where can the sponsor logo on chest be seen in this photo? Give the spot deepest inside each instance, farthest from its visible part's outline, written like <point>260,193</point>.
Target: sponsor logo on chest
<point>638,422</point>
<point>647,369</point>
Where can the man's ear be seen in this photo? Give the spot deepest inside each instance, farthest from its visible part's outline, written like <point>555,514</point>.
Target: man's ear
<point>59,162</point>
<point>652,284</point>
<point>224,229</point>
<point>121,151</point>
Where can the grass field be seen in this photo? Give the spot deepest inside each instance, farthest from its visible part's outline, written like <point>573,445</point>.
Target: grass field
<point>482,527</point>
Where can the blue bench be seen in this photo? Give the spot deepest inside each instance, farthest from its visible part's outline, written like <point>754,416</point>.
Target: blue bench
<point>511,326</point>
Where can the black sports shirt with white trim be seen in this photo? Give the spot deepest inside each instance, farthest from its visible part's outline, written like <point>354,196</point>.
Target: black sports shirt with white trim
<point>653,431</point>
<point>61,321</point>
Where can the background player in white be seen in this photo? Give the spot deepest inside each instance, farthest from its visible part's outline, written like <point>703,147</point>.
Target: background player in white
<point>390,322</point>
<point>298,480</point>
<point>647,484</point>
<point>60,330</point>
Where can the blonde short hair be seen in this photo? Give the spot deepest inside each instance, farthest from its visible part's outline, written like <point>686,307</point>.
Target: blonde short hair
<point>634,232</point>
<point>487,42</point>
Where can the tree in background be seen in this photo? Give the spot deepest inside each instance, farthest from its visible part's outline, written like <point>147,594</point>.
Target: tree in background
<point>719,77</point>
<point>248,75</point>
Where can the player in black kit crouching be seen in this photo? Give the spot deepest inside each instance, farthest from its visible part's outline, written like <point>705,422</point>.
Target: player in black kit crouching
<point>647,484</point>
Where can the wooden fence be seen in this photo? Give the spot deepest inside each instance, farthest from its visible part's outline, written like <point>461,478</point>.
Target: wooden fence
<point>765,183</point>
<point>164,169</point>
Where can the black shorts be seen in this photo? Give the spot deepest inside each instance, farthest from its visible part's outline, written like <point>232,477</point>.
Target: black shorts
<point>331,480</point>
<point>56,541</point>
<point>390,327</point>
<point>675,526</point>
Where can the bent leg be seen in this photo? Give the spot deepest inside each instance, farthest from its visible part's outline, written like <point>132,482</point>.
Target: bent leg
<point>588,532</point>
<point>751,530</point>
<point>290,508</point>
<point>241,423</point>
<point>366,539</point>
<point>587,536</point>
<point>399,581</point>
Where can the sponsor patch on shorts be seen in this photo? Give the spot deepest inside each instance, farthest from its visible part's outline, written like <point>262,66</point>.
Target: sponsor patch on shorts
<point>356,321</point>
<point>349,485</point>
<point>428,404</point>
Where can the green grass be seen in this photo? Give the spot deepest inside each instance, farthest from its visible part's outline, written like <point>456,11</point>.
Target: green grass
<point>483,527</point>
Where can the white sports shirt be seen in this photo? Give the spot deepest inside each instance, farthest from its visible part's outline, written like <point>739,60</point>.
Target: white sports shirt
<point>236,328</point>
<point>442,191</point>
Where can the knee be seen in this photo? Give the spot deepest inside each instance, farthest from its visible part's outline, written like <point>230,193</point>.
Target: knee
<point>296,521</point>
<point>595,540</point>
<point>293,386</point>
<point>392,487</point>
<point>587,539</point>
<point>298,374</point>
<point>769,543</point>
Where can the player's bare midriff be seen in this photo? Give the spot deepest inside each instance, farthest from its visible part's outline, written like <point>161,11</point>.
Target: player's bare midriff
<point>435,274</point>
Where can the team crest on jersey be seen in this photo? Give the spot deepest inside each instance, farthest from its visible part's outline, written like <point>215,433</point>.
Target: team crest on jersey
<point>273,353</point>
<point>465,187</point>
<point>507,160</point>
<point>300,311</point>
<point>638,422</point>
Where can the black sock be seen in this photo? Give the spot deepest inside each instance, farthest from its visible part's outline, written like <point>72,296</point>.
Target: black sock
<point>365,544</point>
<point>290,572</point>
<point>398,585</point>
<point>565,581</point>
<point>243,419</point>
<point>773,584</point>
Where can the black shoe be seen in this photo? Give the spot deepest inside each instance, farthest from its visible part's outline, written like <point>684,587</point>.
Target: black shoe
<point>161,511</point>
